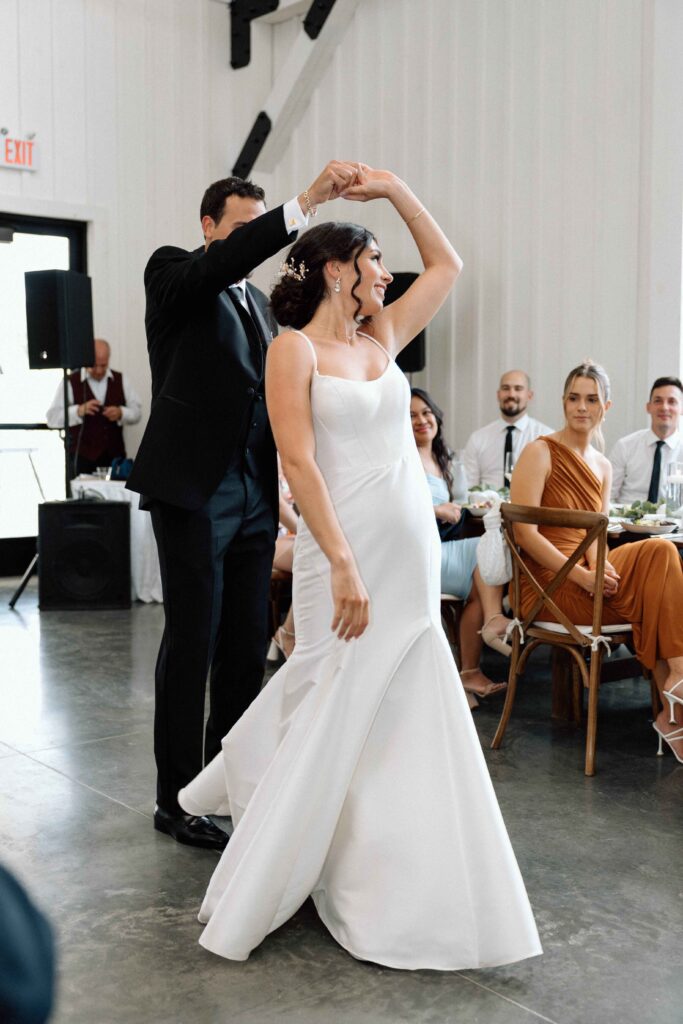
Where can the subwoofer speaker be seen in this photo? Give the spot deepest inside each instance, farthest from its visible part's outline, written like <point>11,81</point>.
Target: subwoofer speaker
<point>83,555</point>
<point>59,319</point>
<point>412,358</point>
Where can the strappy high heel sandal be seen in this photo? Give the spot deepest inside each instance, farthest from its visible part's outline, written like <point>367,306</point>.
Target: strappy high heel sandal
<point>493,639</point>
<point>675,734</point>
<point>280,642</point>
<point>674,698</point>
<point>488,690</point>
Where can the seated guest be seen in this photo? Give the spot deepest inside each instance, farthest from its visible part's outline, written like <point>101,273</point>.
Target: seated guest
<point>643,582</point>
<point>487,447</point>
<point>100,402</point>
<point>459,573</point>
<point>639,460</point>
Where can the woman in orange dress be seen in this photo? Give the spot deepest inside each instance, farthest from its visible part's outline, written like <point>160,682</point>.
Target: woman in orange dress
<point>643,582</point>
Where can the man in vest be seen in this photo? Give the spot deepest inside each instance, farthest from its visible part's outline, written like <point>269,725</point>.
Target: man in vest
<point>100,402</point>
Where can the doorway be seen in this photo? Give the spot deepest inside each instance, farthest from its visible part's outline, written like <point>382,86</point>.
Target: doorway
<point>31,456</point>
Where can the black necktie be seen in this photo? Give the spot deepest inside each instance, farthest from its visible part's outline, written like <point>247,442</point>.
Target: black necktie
<point>508,448</point>
<point>653,493</point>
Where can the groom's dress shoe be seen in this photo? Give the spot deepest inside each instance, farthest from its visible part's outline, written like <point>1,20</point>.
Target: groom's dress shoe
<point>190,829</point>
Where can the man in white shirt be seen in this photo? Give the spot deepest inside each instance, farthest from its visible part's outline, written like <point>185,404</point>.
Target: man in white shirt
<point>640,460</point>
<point>487,447</point>
<point>100,402</point>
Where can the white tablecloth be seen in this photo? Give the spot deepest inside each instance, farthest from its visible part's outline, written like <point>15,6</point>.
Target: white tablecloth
<point>144,560</point>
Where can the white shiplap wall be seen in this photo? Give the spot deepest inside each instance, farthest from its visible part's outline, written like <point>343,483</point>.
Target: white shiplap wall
<point>545,135</point>
<point>526,127</point>
<point>131,103</point>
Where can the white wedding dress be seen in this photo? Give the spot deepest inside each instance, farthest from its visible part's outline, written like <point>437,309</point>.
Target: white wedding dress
<point>356,777</point>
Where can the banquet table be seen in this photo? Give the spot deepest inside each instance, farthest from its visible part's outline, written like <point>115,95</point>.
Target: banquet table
<point>144,560</point>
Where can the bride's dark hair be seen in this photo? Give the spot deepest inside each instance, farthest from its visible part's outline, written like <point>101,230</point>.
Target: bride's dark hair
<point>294,302</point>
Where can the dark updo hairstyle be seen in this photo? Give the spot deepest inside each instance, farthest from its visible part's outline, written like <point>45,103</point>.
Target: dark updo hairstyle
<point>295,302</point>
<point>440,450</point>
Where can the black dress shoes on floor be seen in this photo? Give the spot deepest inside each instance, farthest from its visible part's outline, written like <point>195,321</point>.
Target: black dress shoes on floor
<point>190,829</point>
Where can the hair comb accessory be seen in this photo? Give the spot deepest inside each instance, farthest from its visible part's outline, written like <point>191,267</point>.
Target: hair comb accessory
<point>288,269</point>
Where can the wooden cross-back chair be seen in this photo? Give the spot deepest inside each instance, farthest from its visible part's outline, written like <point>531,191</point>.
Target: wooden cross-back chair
<point>533,630</point>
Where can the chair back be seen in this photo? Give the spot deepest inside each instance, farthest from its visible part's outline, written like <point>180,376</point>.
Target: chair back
<point>595,526</point>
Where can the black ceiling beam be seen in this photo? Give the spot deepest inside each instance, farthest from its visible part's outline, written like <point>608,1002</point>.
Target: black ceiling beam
<point>253,146</point>
<point>242,13</point>
<point>316,17</point>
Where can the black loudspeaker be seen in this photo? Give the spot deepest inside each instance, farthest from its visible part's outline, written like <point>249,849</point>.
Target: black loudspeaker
<point>59,319</point>
<point>412,358</point>
<point>83,554</point>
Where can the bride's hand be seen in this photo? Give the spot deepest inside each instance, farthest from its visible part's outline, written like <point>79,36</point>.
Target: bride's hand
<point>334,178</point>
<point>351,602</point>
<point>371,184</point>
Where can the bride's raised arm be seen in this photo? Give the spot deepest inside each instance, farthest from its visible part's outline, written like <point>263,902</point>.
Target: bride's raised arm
<point>398,324</point>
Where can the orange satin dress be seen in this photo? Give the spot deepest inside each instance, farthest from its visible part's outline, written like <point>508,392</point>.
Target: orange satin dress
<point>650,594</point>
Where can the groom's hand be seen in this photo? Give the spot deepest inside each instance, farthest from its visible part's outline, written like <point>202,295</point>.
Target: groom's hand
<point>337,176</point>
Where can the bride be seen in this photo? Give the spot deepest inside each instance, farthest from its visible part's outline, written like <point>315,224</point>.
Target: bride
<point>357,777</point>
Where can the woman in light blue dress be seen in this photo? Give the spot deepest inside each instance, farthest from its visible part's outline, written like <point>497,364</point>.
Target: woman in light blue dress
<point>482,616</point>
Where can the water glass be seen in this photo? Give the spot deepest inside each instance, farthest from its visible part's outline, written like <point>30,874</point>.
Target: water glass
<point>460,488</point>
<point>674,485</point>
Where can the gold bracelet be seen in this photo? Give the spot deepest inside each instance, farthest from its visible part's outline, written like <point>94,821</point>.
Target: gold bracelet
<point>311,210</point>
<point>418,214</point>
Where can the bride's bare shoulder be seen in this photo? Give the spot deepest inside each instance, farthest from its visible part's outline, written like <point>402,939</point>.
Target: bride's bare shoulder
<point>291,351</point>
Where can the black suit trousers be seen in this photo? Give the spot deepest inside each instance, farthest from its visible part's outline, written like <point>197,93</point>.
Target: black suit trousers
<point>215,572</point>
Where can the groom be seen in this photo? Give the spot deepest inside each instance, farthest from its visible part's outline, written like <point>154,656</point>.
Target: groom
<point>207,469</point>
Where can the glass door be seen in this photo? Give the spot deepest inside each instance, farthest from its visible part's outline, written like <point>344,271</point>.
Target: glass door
<point>31,457</point>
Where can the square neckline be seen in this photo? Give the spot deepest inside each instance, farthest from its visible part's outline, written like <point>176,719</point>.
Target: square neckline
<point>348,380</point>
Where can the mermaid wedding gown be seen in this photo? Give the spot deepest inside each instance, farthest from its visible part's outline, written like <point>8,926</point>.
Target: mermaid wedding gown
<point>357,777</point>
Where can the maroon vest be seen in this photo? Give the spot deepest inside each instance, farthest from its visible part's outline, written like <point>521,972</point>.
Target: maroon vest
<point>101,440</point>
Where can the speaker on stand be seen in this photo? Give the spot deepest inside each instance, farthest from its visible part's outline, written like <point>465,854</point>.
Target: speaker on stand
<point>59,327</point>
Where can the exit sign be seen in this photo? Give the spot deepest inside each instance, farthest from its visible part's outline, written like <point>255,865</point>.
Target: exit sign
<point>17,154</point>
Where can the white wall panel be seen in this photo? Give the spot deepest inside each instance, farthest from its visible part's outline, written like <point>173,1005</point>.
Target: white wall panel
<point>545,135</point>
<point>10,44</point>
<point>117,91</point>
<point>68,99</point>
<point>36,73</point>
<point>520,124</point>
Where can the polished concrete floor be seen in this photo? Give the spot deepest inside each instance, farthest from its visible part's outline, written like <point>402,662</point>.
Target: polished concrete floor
<point>601,857</point>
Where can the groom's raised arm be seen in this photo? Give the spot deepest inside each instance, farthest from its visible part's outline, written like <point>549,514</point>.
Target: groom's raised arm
<point>175,276</point>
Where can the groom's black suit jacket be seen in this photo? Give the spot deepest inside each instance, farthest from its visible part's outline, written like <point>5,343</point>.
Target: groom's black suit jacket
<point>206,364</point>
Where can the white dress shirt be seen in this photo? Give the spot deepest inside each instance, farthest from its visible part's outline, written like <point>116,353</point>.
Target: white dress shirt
<point>130,412</point>
<point>632,458</point>
<point>483,454</point>
<point>295,219</point>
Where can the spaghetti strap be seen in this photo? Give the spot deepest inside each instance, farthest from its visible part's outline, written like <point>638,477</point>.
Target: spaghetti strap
<point>310,345</point>
<point>377,343</point>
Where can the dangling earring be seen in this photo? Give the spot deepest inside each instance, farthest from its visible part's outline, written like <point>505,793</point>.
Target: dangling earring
<point>337,285</point>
